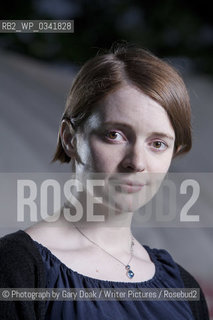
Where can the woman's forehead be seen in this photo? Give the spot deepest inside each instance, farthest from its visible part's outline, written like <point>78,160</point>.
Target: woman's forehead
<point>128,99</point>
<point>130,106</point>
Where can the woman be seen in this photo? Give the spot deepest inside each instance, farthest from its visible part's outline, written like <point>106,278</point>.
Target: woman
<point>127,115</point>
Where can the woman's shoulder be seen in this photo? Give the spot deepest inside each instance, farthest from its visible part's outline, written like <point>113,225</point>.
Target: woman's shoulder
<point>14,242</point>
<point>199,307</point>
<point>21,267</point>
<point>172,269</point>
<point>20,261</point>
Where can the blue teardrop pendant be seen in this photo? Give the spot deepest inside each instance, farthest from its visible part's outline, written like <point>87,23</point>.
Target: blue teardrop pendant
<point>130,273</point>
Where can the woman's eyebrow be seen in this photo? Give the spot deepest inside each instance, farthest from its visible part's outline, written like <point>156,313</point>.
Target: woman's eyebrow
<point>117,123</point>
<point>162,135</point>
<point>128,126</point>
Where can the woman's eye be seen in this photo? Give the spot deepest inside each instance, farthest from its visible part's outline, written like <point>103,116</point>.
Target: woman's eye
<point>159,145</point>
<point>114,135</point>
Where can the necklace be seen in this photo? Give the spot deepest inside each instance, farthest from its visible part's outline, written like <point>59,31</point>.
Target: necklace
<point>129,272</point>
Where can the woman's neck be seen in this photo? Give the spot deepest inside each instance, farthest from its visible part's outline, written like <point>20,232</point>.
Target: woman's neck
<point>108,228</point>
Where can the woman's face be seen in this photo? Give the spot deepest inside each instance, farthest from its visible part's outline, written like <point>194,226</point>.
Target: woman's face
<point>127,141</point>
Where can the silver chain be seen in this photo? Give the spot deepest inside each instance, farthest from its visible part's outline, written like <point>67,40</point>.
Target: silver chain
<point>131,247</point>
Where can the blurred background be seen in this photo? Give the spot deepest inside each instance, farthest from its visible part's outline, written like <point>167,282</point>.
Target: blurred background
<point>36,72</point>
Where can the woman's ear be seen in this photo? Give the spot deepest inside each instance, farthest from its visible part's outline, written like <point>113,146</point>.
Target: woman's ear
<point>67,136</point>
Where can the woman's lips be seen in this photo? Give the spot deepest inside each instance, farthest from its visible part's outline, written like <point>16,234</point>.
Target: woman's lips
<point>128,186</point>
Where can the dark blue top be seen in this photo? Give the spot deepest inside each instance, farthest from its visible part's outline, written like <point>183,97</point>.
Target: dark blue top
<point>166,276</point>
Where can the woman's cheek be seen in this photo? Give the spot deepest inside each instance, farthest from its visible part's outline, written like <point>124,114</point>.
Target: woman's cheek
<point>104,158</point>
<point>104,162</point>
<point>159,163</point>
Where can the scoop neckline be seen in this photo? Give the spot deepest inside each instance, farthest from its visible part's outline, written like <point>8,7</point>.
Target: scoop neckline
<point>96,280</point>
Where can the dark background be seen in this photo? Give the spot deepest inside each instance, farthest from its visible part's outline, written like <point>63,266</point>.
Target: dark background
<point>170,28</point>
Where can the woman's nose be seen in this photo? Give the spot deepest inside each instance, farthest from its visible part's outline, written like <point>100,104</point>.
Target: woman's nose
<point>134,159</point>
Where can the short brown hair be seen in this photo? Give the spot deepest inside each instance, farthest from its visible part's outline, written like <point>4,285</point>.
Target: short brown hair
<point>106,72</point>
